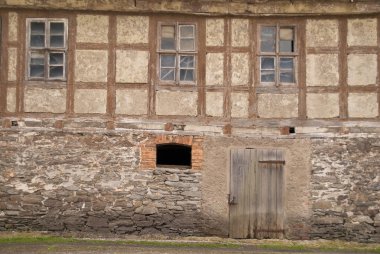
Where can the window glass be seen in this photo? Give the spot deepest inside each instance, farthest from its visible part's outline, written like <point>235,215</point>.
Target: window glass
<point>57,35</point>
<point>168,37</point>
<point>37,65</point>
<point>286,39</point>
<point>268,39</point>
<point>37,34</point>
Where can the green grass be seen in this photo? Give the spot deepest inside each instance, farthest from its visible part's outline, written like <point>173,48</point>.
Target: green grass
<point>68,240</point>
<point>320,246</point>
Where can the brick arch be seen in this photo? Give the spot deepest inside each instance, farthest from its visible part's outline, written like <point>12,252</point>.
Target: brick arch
<point>148,149</point>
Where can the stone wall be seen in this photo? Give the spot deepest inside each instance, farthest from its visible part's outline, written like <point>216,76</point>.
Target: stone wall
<point>52,180</point>
<point>346,189</point>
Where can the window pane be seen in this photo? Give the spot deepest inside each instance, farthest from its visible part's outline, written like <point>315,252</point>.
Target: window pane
<point>268,39</point>
<point>37,71</point>
<point>56,58</point>
<point>57,41</point>
<point>37,28</point>
<point>286,63</point>
<point>167,37</point>
<point>167,74</point>
<point>267,76</point>
<point>286,40</point>
<point>186,62</point>
<point>267,63</point>
<point>36,60</point>
<point>167,60</point>
<point>287,76</point>
<point>57,28</point>
<point>186,75</point>
<point>187,44</point>
<point>186,31</point>
<point>56,71</point>
<point>37,41</point>
<point>37,65</point>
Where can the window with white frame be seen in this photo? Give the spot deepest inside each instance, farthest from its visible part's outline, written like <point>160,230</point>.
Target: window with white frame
<point>177,50</point>
<point>277,54</point>
<point>46,49</point>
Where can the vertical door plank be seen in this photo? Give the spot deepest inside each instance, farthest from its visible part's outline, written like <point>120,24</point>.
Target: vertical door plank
<point>272,182</point>
<point>280,195</point>
<point>252,208</point>
<point>238,214</point>
<point>259,201</point>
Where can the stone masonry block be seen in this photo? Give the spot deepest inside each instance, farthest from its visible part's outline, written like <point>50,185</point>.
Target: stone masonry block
<point>362,32</point>
<point>12,32</point>
<point>362,69</point>
<point>322,105</point>
<point>132,66</point>
<point>176,103</point>
<point>131,102</point>
<point>240,69</point>
<point>214,32</point>
<point>214,103</point>
<point>91,65</point>
<point>12,64</point>
<point>322,70</point>
<point>363,105</point>
<point>239,104</point>
<point>322,33</point>
<point>278,105</point>
<point>214,69</point>
<point>92,28</point>
<point>45,100</point>
<point>90,101</point>
<point>132,29</point>
<point>11,99</point>
<point>240,32</point>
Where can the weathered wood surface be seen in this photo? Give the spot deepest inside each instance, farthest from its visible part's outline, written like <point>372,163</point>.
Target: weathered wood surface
<point>256,193</point>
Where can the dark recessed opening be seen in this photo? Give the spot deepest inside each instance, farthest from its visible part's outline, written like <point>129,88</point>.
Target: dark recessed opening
<point>173,155</point>
<point>14,123</point>
<point>292,130</point>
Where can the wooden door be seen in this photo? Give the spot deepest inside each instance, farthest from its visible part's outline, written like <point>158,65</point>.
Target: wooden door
<point>256,193</point>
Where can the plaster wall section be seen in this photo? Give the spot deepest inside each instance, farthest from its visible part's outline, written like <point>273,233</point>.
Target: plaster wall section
<point>132,29</point>
<point>363,105</point>
<point>324,105</point>
<point>215,184</point>
<point>90,101</point>
<point>240,69</point>
<point>131,102</point>
<point>362,32</point>
<point>322,70</point>
<point>11,99</point>
<point>214,103</point>
<point>214,69</point>
<point>239,104</point>
<point>176,103</point>
<point>278,105</point>
<point>13,26</point>
<point>240,33</point>
<point>362,69</point>
<point>92,28</point>
<point>132,66</point>
<point>214,32</point>
<point>12,64</point>
<point>322,33</point>
<point>45,100</point>
<point>91,65</point>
